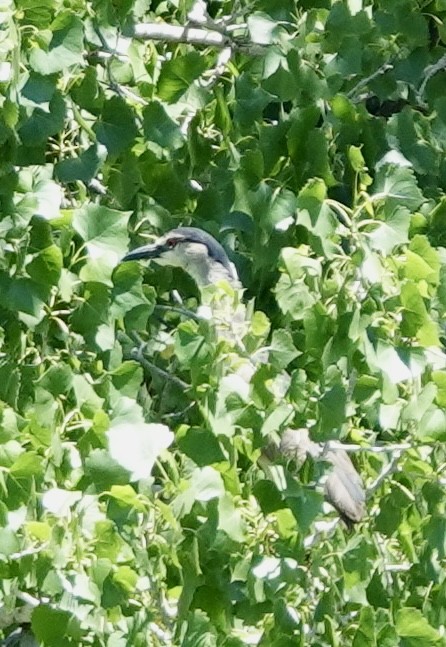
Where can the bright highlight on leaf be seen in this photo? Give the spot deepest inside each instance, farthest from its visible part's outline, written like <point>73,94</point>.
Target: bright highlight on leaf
<point>136,446</point>
<point>144,497</point>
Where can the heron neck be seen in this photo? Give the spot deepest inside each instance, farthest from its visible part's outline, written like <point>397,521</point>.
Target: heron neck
<point>207,273</point>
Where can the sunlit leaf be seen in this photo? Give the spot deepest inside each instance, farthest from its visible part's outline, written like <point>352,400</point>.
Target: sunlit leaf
<point>136,447</point>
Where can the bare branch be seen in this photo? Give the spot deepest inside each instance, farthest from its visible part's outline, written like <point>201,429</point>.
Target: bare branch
<point>363,82</point>
<point>376,449</point>
<point>137,355</point>
<point>179,34</point>
<point>198,36</point>
<point>430,71</point>
<point>181,311</point>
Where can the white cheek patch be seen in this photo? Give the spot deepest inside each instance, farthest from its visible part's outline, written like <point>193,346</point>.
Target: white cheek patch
<point>171,257</point>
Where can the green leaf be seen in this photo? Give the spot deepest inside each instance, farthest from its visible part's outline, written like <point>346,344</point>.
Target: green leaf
<point>27,465</point>
<point>160,128</point>
<point>130,299</point>
<point>332,409</point>
<point>178,74</point>
<point>126,578</point>
<point>116,129</point>
<point>137,446</point>
<point>204,485</point>
<point>9,542</point>
<point>250,100</point>
<point>281,210</point>
<point>42,124</point>
<point>189,345</point>
<point>201,446</point>
<point>305,504</point>
<point>60,502</point>
<point>164,181</point>
<point>276,420</point>
<point>397,186</point>
<point>416,321</point>
<point>314,214</point>
<point>49,625</point>
<point>268,496</point>
<point>230,519</point>
<point>262,28</point>
<point>344,109</point>
<point>394,231</point>
<point>280,81</point>
<point>293,296</point>
<point>439,379</point>
<point>104,471</point>
<point>432,424</point>
<point>46,266</point>
<point>105,234</point>
<point>66,47</point>
<point>57,379</point>
<point>307,146</point>
<point>422,261</point>
<point>413,626</point>
<point>127,496</point>
<point>86,396</point>
<point>385,359</point>
<point>127,378</point>
<point>24,295</point>
<point>365,635</point>
<point>83,167</point>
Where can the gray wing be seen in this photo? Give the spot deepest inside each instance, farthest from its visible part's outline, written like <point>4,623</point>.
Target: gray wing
<point>344,488</point>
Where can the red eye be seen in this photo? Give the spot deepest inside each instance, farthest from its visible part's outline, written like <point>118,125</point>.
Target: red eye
<point>171,242</point>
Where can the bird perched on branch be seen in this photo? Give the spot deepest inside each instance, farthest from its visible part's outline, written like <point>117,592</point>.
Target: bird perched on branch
<point>343,486</point>
<point>205,260</point>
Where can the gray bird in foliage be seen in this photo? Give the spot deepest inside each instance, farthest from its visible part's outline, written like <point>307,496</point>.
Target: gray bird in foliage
<point>195,251</point>
<point>343,486</point>
<point>205,260</point>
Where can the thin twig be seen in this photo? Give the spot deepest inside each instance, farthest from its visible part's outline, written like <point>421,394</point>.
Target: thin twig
<point>220,68</point>
<point>181,311</point>
<point>28,551</point>
<point>363,82</point>
<point>124,92</point>
<point>390,468</point>
<point>375,449</point>
<point>430,71</point>
<point>137,354</point>
<point>179,414</point>
<point>30,599</point>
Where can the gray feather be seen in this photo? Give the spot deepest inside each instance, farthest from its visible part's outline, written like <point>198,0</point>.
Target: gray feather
<point>343,487</point>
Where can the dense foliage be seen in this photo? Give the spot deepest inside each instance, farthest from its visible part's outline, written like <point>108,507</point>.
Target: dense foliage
<point>311,142</point>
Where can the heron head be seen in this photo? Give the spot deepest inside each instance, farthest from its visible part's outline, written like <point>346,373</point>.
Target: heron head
<point>192,249</point>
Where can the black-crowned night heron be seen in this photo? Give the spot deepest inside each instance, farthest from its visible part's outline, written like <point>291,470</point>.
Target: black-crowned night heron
<point>195,251</point>
<point>343,487</point>
<point>201,256</point>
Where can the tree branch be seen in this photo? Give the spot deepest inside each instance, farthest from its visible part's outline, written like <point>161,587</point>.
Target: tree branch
<point>197,36</point>
<point>179,34</point>
<point>181,311</point>
<point>376,449</point>
<point>385,67</point>
<point>137,353</point>
<point>390,468</point>
<point>430,71</point>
